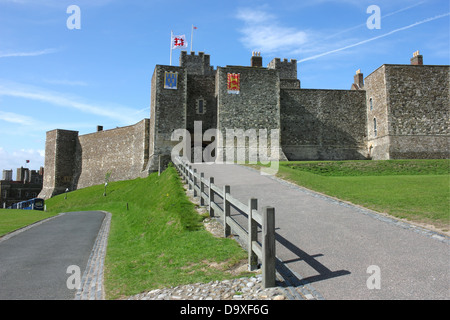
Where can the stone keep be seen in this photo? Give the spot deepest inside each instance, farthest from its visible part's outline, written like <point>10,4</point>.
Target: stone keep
<point>397,112</point>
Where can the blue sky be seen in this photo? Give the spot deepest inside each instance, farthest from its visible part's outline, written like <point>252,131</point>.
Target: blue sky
<point>54,77</point>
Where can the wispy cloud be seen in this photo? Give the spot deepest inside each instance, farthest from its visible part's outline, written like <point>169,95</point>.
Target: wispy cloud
<point>66,82</point>
<point>28,54</point>
<point>123,115</point>
<point>262,32</point>
<point>16,118</point>
<point>374,38</point>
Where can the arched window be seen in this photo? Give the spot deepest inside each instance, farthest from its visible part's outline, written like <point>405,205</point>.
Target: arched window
<point>371,104</point>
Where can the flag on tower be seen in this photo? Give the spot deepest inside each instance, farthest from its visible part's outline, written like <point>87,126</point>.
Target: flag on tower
<point>179,42</point>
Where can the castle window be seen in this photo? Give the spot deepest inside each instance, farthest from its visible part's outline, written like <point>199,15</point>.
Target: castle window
<point>375,131</point>
<point>371,104</point>
<point>201,103</point>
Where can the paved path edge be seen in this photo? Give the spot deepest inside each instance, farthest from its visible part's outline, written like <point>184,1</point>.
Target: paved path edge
<point>92,287</point>
<point>436,235</point>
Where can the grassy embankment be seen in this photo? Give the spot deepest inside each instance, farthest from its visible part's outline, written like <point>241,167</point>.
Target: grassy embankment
<point>159,241</point>
<point>416,190</point>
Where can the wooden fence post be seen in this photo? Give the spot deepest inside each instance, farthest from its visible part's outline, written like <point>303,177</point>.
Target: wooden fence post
<point>226,212</point>
<point>190,178</point>
<point>202,189</point>
<point>195,182</point>
<point>252,235</point>
<point>211,197</point>
<point>268,247</point>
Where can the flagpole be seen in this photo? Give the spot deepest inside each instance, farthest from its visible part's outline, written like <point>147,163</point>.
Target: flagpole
<point>192,36</point>
<point>171,40</point>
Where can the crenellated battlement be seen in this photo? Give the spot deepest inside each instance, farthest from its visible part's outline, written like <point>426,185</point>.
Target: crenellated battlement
<point>287,68</point>
<point>198,64</point>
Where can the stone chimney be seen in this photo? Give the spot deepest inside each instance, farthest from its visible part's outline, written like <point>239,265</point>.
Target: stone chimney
<point>359,79</point>
<point>256,59</point>
<point>417,59</point>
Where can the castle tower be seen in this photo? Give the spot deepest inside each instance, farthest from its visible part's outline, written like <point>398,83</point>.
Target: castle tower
<point>60,162</point>
<point>168,110</point>
<point>248,106</point>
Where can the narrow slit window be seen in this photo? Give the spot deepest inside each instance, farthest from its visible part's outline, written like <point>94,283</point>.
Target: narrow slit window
<point>375,131</point>
<point>371,104</point>
<point>201,106</point>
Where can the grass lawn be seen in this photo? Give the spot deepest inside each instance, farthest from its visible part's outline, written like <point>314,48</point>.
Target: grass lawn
<point>11,220</point>
<point>159,241</point>
<point>416,190</point>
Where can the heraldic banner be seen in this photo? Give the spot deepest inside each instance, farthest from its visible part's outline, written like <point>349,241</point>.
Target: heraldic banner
<point>170,80</point>
<point>234,83</point>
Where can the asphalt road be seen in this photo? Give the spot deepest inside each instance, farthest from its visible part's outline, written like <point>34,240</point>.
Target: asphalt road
<point>338,248</point>
<point>34,263</point>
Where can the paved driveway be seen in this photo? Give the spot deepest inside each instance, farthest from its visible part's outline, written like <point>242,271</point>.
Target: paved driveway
<point>33,263</point>
<point>335,248</point>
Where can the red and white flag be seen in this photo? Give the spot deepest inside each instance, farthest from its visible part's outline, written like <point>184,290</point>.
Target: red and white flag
<point>179,42</point>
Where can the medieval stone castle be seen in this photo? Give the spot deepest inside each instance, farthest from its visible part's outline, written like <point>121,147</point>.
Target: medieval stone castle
<point>397,112</point>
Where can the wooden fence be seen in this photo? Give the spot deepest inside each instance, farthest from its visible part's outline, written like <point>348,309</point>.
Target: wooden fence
<point>207,191</point>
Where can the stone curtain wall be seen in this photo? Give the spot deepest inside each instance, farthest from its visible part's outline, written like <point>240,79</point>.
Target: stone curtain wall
<point>73,162</point>
<point>60,163</point>
<point>323,124</point>
<point>122,151</point>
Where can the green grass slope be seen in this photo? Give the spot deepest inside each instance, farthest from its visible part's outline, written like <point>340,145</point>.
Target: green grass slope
<point>416,190</point>
<point>159,241</point>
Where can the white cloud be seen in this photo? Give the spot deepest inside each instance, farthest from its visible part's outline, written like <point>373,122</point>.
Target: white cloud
<point>262,32</point>
<point>17,158</point>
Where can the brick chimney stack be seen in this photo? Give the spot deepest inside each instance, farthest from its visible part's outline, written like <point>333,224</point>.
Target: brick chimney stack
<point>417,59</point>
<point>256,59</point>
<point>359,79</point>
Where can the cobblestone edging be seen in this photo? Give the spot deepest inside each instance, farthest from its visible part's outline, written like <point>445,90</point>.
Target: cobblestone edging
<point>234,289</point>
<point>92,280</point>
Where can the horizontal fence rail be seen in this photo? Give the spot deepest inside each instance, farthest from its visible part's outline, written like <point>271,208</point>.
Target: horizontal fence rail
<point>265,250</point>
